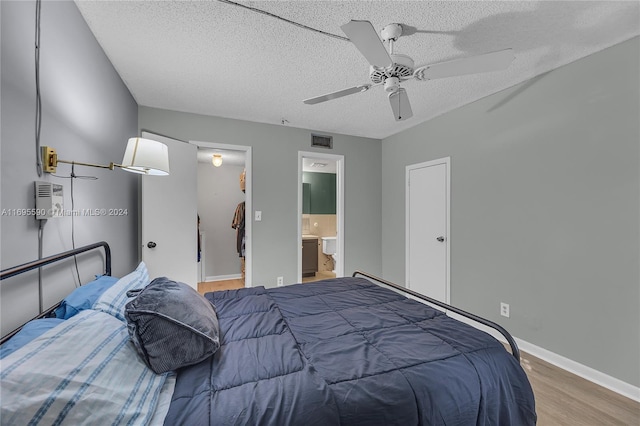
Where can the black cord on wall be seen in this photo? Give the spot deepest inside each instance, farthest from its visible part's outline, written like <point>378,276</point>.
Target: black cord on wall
<point>73,227</point>
<point>38,151</point>
<point>38,98</point>
<point>72,177</point>
<point>40,238</point>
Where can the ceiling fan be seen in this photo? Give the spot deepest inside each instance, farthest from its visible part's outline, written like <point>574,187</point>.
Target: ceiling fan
<point>390,69</point>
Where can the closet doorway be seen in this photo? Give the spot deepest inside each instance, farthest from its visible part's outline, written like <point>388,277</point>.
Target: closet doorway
<point>320,216</point>
<point>224,195</point>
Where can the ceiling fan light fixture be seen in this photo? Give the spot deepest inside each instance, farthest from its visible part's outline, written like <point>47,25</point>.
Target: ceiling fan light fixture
<point>216,160</point>
<point>392,84</point>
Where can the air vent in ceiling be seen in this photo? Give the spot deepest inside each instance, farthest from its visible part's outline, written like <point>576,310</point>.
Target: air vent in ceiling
<point>322,141</point>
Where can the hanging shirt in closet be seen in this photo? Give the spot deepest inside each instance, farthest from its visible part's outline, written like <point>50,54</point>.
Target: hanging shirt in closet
<point>238,224</point>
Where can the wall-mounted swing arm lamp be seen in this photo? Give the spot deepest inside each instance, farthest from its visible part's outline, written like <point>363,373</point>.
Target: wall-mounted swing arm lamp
<point>142,156</point>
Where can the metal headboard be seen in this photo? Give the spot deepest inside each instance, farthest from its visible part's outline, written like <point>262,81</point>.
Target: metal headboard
<point>514,347</point>
<point>29,266</point>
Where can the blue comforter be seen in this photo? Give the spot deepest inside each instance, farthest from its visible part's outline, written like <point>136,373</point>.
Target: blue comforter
<point>348,352</point>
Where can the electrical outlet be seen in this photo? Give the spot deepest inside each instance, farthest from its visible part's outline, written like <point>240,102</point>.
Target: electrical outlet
<point>280,281</point>
<point>504,309</point>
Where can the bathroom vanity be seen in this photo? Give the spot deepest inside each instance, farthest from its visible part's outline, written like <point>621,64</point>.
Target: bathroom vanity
<point>309,255</point>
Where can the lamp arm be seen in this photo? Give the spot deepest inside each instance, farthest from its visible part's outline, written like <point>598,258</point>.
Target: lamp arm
<point>110,166</point>
<point>143,156</point>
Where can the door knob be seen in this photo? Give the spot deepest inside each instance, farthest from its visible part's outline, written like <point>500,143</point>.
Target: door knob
<point>151,244</point>
<point>441,239</point>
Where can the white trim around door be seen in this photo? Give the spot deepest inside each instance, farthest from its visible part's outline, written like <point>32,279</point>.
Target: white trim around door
<point>248,270</point>
<point>339,159</point>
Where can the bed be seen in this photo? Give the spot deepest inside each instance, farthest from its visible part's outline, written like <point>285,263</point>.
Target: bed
<point>350,351</point>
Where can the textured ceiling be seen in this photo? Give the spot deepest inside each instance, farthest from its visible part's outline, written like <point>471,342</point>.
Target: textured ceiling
<point>213,58</point>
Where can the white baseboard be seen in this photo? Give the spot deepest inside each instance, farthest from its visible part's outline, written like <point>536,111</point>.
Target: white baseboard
<point>588,373</point>
<point>223,277</point>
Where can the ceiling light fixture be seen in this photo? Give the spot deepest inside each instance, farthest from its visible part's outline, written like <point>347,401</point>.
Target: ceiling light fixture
<point>142,156</point>
<point>216,160</point>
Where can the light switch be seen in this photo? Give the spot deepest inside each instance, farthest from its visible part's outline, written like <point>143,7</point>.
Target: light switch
<point>258,215</point>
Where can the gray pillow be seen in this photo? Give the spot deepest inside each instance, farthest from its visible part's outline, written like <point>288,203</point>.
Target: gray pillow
<point>171,325</point>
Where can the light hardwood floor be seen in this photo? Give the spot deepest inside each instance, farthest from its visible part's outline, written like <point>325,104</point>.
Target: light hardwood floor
<point>320,275</point>
<point>562,398</point>
<point>208,286</point>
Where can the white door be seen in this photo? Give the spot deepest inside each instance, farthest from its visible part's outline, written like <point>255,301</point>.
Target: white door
<point>169,218</point>
<point>428,228</point>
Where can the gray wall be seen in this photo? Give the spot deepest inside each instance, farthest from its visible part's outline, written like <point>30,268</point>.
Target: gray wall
<point>545,184</point>
<point>88,115</point>
<point>218,196</point>
<point>275,187</point>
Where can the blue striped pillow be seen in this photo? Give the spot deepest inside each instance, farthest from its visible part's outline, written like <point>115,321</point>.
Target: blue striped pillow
<point>84,371</point>
<point>115,298</point>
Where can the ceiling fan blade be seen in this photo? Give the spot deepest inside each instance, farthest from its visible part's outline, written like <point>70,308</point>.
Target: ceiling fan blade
<point>338,94</point>
<point>400,105</point>
<point>493,61</point>
<point>365,38</point>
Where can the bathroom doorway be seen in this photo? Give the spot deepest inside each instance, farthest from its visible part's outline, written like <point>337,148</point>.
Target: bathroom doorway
<point>320,216</point>
<point>224,188</point>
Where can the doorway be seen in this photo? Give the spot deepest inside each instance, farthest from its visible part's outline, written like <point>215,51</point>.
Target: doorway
<point>225,260</point>
<point>427,228</point>
<point>320,216</point>
<point>170,251</point>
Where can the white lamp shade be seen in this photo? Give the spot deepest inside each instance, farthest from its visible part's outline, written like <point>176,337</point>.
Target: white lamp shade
<point>146,156</point>
<point>217,160</point>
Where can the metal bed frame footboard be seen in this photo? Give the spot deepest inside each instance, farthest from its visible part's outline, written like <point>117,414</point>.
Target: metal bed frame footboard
<point>512,343</point>
<point>29,266</point>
